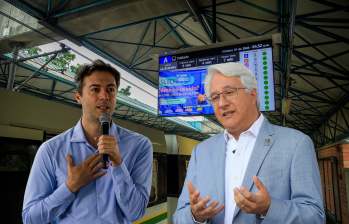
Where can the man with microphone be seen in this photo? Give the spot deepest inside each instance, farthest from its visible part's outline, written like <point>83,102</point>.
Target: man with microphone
<point>67,182</point>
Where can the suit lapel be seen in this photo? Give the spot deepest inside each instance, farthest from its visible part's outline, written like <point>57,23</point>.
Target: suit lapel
<point>218,173</point>
<point>260,150</point>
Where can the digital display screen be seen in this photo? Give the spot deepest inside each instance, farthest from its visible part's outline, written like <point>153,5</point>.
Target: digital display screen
<point>182,76</point>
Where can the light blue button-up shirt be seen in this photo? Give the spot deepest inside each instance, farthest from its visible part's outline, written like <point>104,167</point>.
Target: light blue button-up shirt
<point>119,196</point>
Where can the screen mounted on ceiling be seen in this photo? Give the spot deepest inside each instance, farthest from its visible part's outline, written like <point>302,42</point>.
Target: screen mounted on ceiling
<point>182,76</point>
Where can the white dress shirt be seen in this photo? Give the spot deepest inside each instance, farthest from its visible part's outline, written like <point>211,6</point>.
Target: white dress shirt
<point>236,163</point>
<point>237,155</point>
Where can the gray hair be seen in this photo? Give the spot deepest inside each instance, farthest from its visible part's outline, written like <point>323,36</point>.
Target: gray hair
<point>233,69</point>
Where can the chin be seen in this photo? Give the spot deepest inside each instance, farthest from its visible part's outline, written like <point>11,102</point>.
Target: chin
<point>229,124</point>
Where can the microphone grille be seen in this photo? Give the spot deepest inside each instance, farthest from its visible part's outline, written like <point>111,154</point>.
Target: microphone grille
<point>105,118</point>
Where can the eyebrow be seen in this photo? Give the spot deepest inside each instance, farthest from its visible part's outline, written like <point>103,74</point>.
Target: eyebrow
<point>225,87</point>
<point>96,85</point>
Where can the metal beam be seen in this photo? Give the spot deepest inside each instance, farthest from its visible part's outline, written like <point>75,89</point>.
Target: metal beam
<point>326,117</point>
<point>317,44</point>
<point>79,8</point>
<point>118,63</point>
<point>326,57</point>
<point>323,32</point>
<point>321,62</point>
<point>53,87</point>
<point>260,8</point>
<point>186,31</point>
<point>196,13</point>
<point>239,27</point>
<point>35,73</point>
<point>27,8</point>
<point>336,9</point>
<point>290,33</point>
<point>323,20</point>
<point>135,23</point>
<point>313,67</point>
<point>243,17</point>
<point>11,76</point>
<point>122,42</point>
<point>179,37</point>
<point>221,26</point>
<point>174,28</point>
<point>145,32</point>
<point>48,8</point>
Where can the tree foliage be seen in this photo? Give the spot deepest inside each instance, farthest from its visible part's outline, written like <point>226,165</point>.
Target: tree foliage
<point>75,69</point>
<point>33,50</point>
<point>125,91</point>
<point>62,60</point>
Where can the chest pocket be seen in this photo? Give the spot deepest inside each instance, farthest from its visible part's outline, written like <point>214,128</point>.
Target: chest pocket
<point>269,175</point>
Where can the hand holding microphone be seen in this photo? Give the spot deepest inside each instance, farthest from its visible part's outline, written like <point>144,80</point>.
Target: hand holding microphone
<point>107,144</point>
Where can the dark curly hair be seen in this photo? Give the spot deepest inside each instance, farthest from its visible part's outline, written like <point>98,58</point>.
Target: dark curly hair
<point>88,69</point>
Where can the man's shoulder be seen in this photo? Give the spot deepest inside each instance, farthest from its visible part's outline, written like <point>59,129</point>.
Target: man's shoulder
<point>286,132</point>
<point>211,142</point>
<point>58,139</point>
<point>127,135</point>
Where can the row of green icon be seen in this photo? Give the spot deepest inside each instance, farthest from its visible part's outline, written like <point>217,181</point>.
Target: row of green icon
<point>266,82</point>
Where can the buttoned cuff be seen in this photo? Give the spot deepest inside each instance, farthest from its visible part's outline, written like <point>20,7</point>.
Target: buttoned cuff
<point>196,222</point>
<point>63,195</point>
<point>120,173</point>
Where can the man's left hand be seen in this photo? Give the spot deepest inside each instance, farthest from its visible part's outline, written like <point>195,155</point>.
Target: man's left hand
<point>107,144</point>
<point>250,203</point>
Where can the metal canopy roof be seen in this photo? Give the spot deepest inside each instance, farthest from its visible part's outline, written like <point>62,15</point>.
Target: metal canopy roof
<point>60,87</point>
<point>127,32</point>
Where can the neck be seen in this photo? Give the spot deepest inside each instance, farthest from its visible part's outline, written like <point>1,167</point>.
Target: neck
<point>91,129</point>
<point>237,133</point>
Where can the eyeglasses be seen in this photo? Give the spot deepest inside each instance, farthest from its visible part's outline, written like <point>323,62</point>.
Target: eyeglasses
<point>228,94</point>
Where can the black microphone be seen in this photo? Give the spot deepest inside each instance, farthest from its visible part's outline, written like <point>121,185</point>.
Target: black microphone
<point>105,120</point>
<point>234,150</point>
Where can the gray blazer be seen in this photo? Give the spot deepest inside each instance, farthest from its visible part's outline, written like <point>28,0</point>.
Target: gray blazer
<point>286,164</point>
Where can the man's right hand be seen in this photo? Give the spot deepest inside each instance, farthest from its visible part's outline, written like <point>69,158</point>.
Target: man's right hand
<point>198,205</point>
<point>84,173</point>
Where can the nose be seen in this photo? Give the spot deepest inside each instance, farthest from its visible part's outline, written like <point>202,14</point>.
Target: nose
<point>222,101</point>
<point>103,94</point>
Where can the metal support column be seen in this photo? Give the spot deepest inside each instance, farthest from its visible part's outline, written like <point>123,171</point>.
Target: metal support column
<point>11,76</point>
<point>291,26</point>
<point>214,30</point>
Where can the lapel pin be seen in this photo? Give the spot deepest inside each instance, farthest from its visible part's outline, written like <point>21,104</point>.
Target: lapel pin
<point>266,142</point>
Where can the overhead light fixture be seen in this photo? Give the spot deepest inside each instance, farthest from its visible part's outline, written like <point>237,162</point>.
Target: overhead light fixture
<point>286,105</point>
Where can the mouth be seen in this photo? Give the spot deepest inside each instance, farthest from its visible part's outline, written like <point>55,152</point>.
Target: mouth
<point>226,114</point>
<point>103,107</point>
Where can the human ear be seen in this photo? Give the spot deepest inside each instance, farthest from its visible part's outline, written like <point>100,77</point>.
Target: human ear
<point>78,97</point>
<point>254,95</point>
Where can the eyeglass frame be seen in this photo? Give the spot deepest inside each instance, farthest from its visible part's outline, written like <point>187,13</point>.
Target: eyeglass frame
<point>236,88</point>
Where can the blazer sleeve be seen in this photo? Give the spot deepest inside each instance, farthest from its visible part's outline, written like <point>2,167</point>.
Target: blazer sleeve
<point>306,204</point>
<point>183,213</point>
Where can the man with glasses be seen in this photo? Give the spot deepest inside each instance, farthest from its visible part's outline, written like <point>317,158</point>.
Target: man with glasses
<point>253,172</point>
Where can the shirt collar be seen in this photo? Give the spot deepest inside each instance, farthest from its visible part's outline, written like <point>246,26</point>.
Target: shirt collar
<point>254,129</point>
<point>79,135</point>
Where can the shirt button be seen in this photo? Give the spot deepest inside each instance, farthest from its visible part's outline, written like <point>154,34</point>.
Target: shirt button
<point>88,144</point>
<point>236,177</point>
<point>233,202</point>
<point>100,195</point>
<point>69,201</point>
<point>238,154</point>
<point>116,176</point>
<point>101,216</point>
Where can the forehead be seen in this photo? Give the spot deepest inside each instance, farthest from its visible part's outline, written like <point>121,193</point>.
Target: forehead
<point>220,82</point>
<point>100,77</point>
